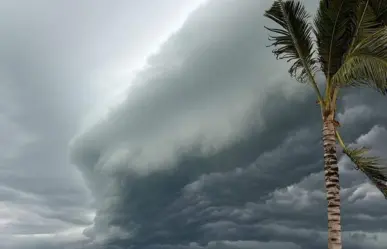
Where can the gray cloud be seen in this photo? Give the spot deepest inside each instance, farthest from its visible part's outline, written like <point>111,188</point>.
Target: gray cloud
<point>57,62</point>
<point>215,147</point>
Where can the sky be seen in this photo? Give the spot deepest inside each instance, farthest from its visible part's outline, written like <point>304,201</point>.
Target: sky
<point>168,125</point>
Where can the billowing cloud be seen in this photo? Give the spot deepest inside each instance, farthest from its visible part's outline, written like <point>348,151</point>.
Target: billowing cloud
<point>59,60</point>
<point>216,147</point>
<point>210,145</point>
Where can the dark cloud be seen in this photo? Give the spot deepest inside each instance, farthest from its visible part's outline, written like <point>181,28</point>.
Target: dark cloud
<point>59,61</point>
<point>216,147</point>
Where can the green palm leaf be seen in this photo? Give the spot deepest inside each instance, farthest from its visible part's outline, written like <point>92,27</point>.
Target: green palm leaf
<point>370,166</point>
<point>379,8</point>
<point>366,22</point>
<point>366,64</point>
<point>335,24</point>
<point>293,39</point>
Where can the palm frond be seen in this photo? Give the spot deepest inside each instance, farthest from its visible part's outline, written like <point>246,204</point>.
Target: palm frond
<point>292,41</point>
<point>366,22</point>
<point>370,166</point>
<point>335,26</point>
<point>366,64</point>
<point>379,8</point>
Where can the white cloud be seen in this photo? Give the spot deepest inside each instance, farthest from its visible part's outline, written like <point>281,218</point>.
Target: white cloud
<point>353,114</point>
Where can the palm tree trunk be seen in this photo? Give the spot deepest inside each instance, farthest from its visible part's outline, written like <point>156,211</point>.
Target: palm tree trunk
<point>332,184</point>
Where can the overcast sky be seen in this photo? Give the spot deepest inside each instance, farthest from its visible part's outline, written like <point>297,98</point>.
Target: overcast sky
<point>168,124</point>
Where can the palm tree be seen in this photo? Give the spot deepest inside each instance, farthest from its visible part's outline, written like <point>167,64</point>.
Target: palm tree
<point>348,43</point>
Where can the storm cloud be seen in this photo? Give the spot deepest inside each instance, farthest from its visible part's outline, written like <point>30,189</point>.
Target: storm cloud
<point>110,140</point>
<point>216,147</point>
<point>61,63</point>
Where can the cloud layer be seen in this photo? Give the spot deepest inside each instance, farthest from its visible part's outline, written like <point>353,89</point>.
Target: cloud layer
<point>58,60</point>
<point>216,147</point>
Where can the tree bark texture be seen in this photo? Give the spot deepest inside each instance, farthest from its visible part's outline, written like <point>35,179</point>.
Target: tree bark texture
<point>332,184</point>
